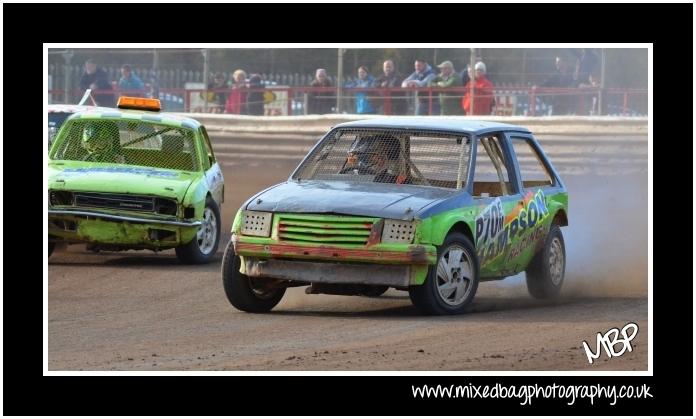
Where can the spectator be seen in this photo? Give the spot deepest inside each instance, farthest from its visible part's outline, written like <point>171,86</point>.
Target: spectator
<point>449,102</point>
<point>237,99</point>
<point>483,93</point>
<point>217,97</point>
<point>588,103</point>
<point>584,65</point>
<point>255,96</point>
<point>562,78</point>
<point>389,80</point>
<point>96,79</point>
<point>466,75</point>
<point>320,102</point>
<point>362,101</point>
<point>420,78</point>
<point>130,82</point>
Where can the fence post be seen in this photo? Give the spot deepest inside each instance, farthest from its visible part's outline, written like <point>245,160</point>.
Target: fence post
<point>206,69</point>
<point>625,104</point>
<point>430,100</point>
<point>472,80</point>
<point>387,102</point>
<point>339,81</point>
<point>291,94</point>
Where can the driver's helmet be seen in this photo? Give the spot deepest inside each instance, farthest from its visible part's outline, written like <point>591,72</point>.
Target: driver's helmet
<point>99,137</point>
<point>373,152</point>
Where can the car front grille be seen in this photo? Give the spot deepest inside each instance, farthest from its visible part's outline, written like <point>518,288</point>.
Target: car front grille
<point>125,202</point>
<point>325,229</point>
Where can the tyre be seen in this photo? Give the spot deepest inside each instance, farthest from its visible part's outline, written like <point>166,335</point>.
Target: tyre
<point>203,247</point>
<point>546,271</point>
<point>241,291</point>
<point>51,247</point>
<point>451,283</point>
<point>376,291</point>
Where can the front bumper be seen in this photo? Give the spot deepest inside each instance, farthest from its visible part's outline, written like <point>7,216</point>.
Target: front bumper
<point>380,264</point>
<point>119,230</point>
<point>381,253</point>
<point>113,217</point>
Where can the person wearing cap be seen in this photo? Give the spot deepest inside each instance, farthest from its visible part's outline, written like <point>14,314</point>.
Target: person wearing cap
<point>449,102</point>
<point>483,92</point>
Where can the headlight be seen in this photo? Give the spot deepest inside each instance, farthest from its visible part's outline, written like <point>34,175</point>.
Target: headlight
<point>256,223</point>
<point>60,198</point>
<point>398,231</point>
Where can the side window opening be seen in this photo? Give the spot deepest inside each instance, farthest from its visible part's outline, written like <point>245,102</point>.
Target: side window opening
<point>533,171</point>
<point>208,147</point>
<point>491,176</point>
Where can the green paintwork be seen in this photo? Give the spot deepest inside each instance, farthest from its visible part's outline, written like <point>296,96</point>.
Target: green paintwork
<point>495,262</point>
<point>188,188</point>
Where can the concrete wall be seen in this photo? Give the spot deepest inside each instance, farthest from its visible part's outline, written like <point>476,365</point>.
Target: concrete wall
<point>316,125</point>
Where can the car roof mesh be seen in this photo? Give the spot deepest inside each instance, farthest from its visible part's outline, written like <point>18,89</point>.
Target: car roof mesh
<point>398,156</point>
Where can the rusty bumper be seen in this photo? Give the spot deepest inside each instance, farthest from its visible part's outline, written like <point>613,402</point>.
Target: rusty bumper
<point>390,254</point>
<point>395,265</point>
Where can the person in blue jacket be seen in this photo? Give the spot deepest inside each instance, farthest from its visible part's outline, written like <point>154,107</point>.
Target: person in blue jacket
<point>362,100</point>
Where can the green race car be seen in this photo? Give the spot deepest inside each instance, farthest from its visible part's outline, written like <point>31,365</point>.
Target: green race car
<point>431,206</point>
<point>134,178</point>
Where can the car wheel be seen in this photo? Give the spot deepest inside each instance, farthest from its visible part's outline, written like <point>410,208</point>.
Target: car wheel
<point>204,245</point>
<point>376,291</point>
<point>451,283</point>
<point>241,290</point>
<point>51,247</point>
<point>546,271</point>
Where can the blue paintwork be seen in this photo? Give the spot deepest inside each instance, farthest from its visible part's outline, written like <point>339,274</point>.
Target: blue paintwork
<point>129,170</point>
<point>351,198</point>
<point>455,125</point>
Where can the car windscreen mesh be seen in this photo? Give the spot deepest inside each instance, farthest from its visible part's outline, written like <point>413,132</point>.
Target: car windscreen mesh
<point>137,143</point>
<point>429,158</point>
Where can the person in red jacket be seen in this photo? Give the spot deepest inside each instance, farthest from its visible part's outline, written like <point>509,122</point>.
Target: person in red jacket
<point>237,98</point>
<point>483,92</point>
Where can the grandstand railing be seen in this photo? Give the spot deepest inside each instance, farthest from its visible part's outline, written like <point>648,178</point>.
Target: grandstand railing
<point>294,100</point>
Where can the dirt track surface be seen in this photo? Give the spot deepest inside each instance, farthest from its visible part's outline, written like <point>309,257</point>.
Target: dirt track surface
<point>144,311</point>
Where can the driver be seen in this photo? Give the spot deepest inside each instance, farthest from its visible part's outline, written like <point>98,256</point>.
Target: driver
<point>102,141</point>
<point>377,155</point>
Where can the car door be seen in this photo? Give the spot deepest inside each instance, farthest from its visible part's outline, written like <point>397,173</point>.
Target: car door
<point>213,173</point>
<point>496,193</point>
<point>537,182</point>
